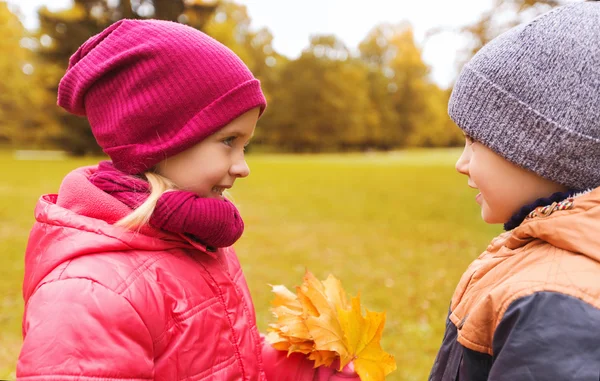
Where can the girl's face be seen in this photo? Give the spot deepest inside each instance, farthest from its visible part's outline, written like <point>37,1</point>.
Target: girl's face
<point>212,166</point>
<point>504,187</point>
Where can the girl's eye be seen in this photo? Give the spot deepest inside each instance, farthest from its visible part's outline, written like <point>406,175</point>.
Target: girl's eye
<point>229,141</point>
<point>469,140</point>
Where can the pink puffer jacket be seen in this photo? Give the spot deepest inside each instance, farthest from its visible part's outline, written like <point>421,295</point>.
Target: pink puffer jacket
<point>105,303</point>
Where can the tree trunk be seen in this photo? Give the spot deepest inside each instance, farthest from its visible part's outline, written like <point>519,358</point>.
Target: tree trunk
<point>168,9</point>
<point>126,11</point>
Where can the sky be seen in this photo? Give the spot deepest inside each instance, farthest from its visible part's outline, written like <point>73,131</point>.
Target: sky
<point>293,22</point>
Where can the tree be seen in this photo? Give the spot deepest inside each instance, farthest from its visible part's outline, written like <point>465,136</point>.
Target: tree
<point>12,63</point>
<point>436,128</point>
<point>322,102</point>
<point>410,82</point>
<point>503,15</point>
<point>410,106</point>
<point>231,25</point>
<point>22,102</point>
<point>376,52</point>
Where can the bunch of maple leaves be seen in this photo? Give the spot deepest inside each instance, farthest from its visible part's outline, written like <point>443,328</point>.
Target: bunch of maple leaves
<point>319,322</point>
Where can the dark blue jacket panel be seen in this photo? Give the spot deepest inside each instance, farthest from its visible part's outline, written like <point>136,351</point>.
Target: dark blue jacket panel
<point>546,336</point>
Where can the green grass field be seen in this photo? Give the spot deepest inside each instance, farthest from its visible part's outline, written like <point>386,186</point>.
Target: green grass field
<point>400,228</point>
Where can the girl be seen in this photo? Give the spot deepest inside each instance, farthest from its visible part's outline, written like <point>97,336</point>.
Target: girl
<point>129,271</point>
<point>529,104</point>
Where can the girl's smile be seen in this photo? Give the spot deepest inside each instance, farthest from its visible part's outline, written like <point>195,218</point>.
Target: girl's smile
<point>218,190</point>
<point>212,166</point>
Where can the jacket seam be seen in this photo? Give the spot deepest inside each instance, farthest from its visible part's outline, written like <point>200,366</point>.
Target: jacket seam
<point>211,372</point>
<point>580,295</point>
<point>253,328</point>
<point>98,232</point>
<point>436,363</point>
<point>447,369</point>
<point>180,318</point>
<point>225,310</point>
<point>475,346</point>
<point>562,290</point>
<point>59,377</point>
<point>137,272</point>
<point>238,275</point>
<point>64,269</point>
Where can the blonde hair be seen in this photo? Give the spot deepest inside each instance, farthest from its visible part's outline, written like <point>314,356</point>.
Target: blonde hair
<point>141,215</point>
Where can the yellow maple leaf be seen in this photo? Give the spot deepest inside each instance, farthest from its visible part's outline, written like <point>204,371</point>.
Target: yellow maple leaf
<point>277,341</point>
<point>305,347</point>
<point>335,292</point>
<point>308,306</point>
<point>324,327</point>
<point>363,335</point>
<point>319,322</point>
<point>291,321</point>
<point>323,357</point>
<point>284,297</point>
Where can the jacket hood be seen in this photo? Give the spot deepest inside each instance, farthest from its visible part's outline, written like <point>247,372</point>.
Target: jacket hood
<point>572,224</point>
<point>79,221</point>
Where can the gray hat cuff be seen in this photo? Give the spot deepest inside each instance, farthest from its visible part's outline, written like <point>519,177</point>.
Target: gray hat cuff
<point>520,134</point>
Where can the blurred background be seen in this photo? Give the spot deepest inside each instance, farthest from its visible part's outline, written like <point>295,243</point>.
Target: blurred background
<point>352,162</point>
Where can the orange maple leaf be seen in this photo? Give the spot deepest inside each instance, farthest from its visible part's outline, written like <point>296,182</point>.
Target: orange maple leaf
<point>318,321</point>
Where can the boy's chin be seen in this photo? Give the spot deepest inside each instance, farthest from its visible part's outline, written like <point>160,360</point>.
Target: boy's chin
<point>491,218</point>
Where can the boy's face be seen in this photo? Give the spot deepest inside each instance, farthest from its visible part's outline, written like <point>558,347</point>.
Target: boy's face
<point>504,187</point>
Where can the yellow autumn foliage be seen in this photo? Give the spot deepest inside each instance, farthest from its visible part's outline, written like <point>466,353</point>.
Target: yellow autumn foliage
<point>318,321</point>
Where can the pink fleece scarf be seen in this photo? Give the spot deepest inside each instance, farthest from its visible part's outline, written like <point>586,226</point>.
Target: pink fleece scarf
<point>215,223</point>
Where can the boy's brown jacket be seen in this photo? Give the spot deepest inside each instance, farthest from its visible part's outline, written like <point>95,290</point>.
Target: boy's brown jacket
<point>529,307</point>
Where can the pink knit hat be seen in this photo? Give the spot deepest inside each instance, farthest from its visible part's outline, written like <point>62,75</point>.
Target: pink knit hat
<point>151,89</point>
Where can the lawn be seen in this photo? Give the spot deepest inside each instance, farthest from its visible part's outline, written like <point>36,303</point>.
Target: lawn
<point>398,227</point>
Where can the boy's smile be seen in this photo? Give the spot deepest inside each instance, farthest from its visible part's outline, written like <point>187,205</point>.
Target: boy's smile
<point>504,187</point>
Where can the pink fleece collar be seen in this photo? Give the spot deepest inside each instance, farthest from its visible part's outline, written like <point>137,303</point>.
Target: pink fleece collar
<point>80,196</point>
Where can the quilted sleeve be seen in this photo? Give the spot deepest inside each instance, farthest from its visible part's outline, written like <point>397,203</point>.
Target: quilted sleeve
<point>296,367</point>
<point>547,336</point>
<point>280,367</point>
<point>77,329</point>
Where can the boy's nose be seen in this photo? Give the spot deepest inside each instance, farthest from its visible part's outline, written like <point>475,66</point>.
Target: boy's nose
<point>462,164</point>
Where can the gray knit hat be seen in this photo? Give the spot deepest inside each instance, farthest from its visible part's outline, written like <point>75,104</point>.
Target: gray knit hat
<point>532,95</point>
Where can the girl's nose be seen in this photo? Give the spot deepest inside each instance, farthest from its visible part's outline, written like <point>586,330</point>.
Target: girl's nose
<point>240,168</point>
